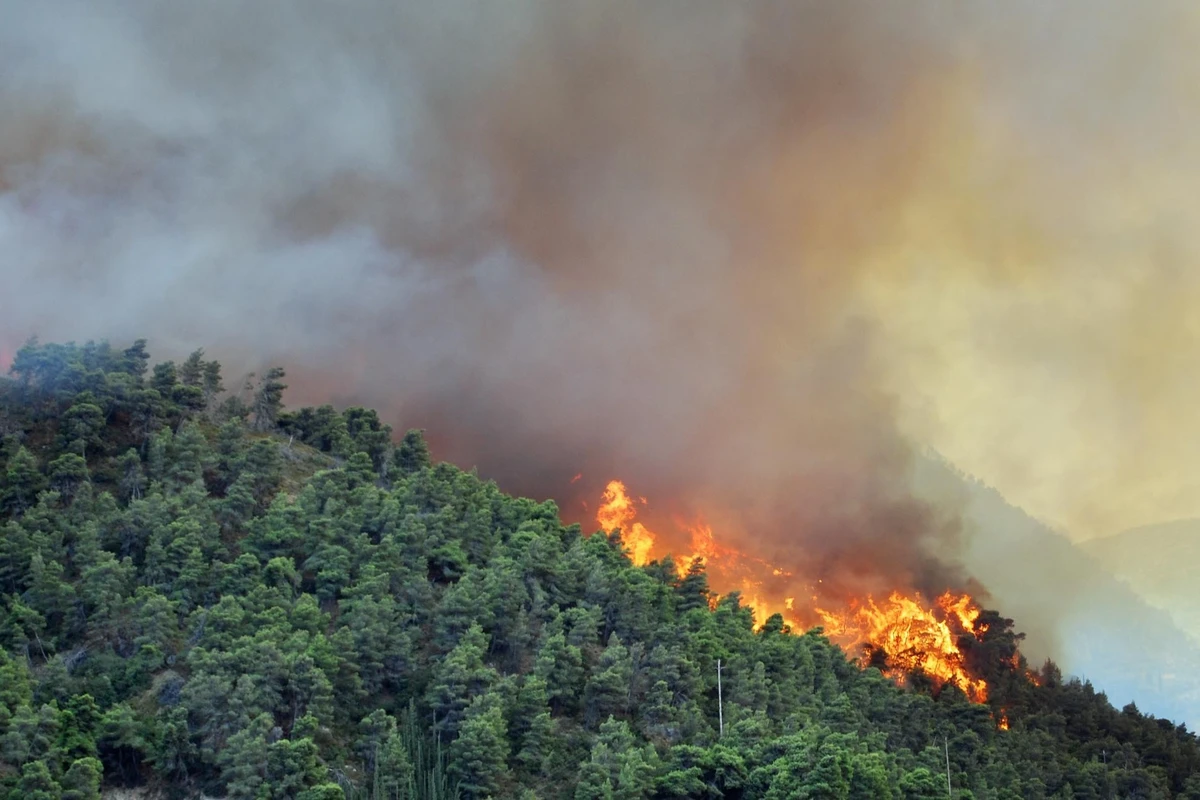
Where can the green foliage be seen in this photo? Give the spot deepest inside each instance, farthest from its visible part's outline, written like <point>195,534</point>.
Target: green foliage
<point>22,483</point>
<point>82,780</point>
<point>218,596</point>
<point>479,754</point>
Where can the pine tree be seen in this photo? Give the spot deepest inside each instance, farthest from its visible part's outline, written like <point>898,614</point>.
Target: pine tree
<point>412,454</point>
<point>135,359</point>
<point>394,775</point>
<point>133,479</point>
<point>22,483</point>
<point>607,691</point>
<point>36,783</point>
<point>164,379</point>
<point>191,372</point>
<point>82,780</point>
<point>82,424</point>
<point>693,590</point>
<point>560,665</point>
<point>461,677</point>
<point>268,399</point>
<point>478,756</point>
<point>211,385</point>
<point>67,473</point>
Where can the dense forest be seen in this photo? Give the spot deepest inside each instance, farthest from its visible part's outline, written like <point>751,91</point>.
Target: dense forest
<point>203,592</point>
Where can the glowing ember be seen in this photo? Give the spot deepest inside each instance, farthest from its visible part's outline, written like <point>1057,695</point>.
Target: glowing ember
<point>1003,722</point>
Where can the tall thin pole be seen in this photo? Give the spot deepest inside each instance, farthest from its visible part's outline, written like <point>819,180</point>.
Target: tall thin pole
<point>949,791</point>
<point>720,702</point>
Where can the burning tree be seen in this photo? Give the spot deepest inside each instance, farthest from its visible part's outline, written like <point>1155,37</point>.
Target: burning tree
<point>951,641</point>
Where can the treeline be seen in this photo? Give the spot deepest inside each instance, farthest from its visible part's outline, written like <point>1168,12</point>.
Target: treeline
<point>203,592</point>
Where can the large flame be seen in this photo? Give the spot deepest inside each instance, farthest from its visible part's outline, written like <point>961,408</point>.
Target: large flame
<point>618,512</point>
<point>901,635</point>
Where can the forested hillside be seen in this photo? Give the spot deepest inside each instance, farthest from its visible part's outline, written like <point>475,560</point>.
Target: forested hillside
<point>203,592</point>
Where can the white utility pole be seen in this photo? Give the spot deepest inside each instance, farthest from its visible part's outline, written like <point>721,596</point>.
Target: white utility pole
<point>720,703</point>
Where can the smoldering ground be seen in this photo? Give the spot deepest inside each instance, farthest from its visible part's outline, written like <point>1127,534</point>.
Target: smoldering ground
<point>740,255</point>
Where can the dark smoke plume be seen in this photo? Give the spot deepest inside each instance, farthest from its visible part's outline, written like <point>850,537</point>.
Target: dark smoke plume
<point>737,254</point>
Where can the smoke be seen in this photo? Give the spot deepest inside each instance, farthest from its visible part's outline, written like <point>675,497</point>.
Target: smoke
<point>741,255</point>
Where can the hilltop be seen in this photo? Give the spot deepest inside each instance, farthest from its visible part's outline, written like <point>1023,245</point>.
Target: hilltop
<point>205,592</point>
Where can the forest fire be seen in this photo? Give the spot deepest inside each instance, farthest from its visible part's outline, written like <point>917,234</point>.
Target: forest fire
<point>901,635</point>
<point>618,512</point>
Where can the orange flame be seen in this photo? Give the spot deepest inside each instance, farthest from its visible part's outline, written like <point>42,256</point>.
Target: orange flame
<point>908,637</point>
<point>618,512</point>
<point>901,636</point>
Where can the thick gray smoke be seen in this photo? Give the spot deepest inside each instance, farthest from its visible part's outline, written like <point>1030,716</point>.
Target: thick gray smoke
<point>682,243</point>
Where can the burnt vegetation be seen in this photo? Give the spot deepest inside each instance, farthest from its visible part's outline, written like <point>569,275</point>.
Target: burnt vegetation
<point>201,591</point>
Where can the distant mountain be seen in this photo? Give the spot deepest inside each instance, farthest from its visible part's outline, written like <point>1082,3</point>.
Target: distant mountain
<point>1071,604</point>
<point>1160,563</point>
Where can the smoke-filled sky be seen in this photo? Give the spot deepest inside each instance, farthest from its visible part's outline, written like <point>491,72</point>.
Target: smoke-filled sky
<point>746,256</point>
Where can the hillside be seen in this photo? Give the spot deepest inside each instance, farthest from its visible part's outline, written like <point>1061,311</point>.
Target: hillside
<point>1160,563</point>
<point>206,593</point>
